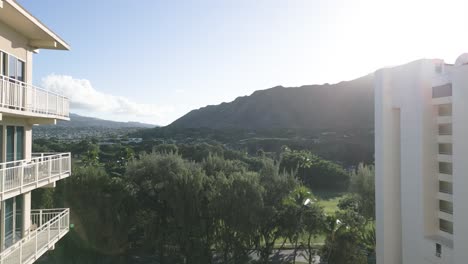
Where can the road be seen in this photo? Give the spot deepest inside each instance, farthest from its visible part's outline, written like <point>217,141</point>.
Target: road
<point>286,256</point>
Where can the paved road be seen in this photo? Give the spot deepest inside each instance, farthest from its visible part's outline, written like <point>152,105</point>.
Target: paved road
<point>287,255</point>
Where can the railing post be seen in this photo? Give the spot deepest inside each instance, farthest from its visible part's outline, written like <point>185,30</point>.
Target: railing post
<point>50,167</point>
<point>35,238</point>
<point>40,218</point>
<point>36,169</point>
<point>21,175</point>
<point>3,179</point>
<point>21,253</point>
<point>47,103</point>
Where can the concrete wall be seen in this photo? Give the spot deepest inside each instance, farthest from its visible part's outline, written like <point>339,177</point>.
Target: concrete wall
<point>406,163</point>
<point>460,162</point>
<point>15,44</point>
<point>387,149</point>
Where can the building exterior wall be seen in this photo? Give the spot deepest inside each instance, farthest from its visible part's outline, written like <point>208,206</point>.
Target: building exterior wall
<point>15,44</point>
<point>460,163</point>
<point>22,105</point>
<point>409,226</point>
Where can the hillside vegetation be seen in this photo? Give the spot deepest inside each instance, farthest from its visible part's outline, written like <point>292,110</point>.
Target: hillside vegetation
<point>343,106</point>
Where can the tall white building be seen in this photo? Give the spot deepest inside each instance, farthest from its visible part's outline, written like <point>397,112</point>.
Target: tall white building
<point>26,233</point>
<point>421,159</point>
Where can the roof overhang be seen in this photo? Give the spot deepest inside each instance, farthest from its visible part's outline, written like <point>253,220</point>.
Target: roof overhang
<point>39,36</point>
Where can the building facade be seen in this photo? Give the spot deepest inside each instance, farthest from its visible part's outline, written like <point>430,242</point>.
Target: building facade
<point>421,159</point>
<point>27,233</point>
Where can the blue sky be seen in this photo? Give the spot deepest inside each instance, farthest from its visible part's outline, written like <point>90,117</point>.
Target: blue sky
<point>153,61</point>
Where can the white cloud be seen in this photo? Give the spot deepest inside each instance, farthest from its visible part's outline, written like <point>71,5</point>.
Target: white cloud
<point>84,97</point>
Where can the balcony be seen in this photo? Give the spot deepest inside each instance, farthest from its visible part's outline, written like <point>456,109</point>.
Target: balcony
<point>21,176</point>
<point>446,207</point>
<point>446,226</point>
<point>445,187</point>
<point>19,98</point>
<point>47,227</point>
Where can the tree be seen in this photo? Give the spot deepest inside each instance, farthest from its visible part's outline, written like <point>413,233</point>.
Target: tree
<point>303,217</point>
<point>176,193</point>
<point>352,230</point>
<point>363,185</point>
<point>315,172</point>
<point>314,221</point>
<point>91,158</point>
<point>272,216</point>
<point>236,205</point>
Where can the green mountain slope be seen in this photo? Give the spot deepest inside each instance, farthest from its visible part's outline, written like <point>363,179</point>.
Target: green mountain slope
<point>342,106</point>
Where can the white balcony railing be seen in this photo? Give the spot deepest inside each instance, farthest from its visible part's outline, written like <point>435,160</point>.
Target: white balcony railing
<point>21,176</point>
<point>27,98</point>
<point>48,226</point>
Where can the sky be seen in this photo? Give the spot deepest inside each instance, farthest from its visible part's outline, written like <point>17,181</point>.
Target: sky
<point>155,60</point>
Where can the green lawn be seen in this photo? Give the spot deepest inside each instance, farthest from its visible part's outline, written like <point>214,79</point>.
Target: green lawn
<point>329,201</point>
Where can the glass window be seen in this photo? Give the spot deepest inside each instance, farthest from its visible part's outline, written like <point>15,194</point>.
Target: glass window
<point>10,142</point>
<point>438,250</point>
<point>12,67</point>
<point>20,72</point>
<point>18,217</point>
<point>442,91</point>
<point>19,143</point>
<point>4,63</point>
<point>9,217</point>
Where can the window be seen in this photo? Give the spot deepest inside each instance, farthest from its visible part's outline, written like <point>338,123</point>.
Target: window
<point>446,207</point>
<point>438,250</point>
<point>445,129</point>
<point>445,148</point>
<point>445,187</point>
<point>442,91</point>
<point>10,143</point>
<point>20,71</point>
<point>445,110</point>
<point>19,143</point>
<point>445,167</point>
<point>14,143</point>
<point>2,62</point>
<point>12,67</point>
<point>446,226</point>
<point>13,220</point>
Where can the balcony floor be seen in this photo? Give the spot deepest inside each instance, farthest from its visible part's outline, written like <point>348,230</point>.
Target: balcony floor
<point>29,249</point>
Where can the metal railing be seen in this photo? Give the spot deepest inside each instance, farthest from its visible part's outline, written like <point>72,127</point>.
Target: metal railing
<point>446,230</point>
<point>445,190</point>
<point>43,236</point>
<point>17,95</point>
<point>446,210</point>
<point>35,172</point>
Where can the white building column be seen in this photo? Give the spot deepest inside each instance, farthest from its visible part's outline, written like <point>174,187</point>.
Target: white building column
<point>387,169</point>
<point>460,163</point>
<point>26,214</point>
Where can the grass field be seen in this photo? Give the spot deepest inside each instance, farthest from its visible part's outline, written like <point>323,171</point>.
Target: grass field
<point>329,201</point>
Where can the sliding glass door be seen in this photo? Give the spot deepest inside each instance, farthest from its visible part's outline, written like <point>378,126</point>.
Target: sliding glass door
<point>12,209</point>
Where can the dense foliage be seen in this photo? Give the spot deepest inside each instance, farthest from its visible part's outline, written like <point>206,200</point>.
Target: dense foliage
<point>203,203</point>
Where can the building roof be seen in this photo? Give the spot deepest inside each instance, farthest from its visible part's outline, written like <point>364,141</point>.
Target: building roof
<point>40,37</point>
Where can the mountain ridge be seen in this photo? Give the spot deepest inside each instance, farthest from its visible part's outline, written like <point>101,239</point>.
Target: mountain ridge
<point>341,106</point>
<point>86,121</point>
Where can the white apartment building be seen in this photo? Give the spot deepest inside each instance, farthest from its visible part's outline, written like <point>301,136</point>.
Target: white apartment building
<point>27,233</point>
<point>421,159</point>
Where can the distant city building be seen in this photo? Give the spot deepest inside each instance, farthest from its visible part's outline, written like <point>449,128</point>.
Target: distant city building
<point>25,233</point>
<point>421,159</point>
